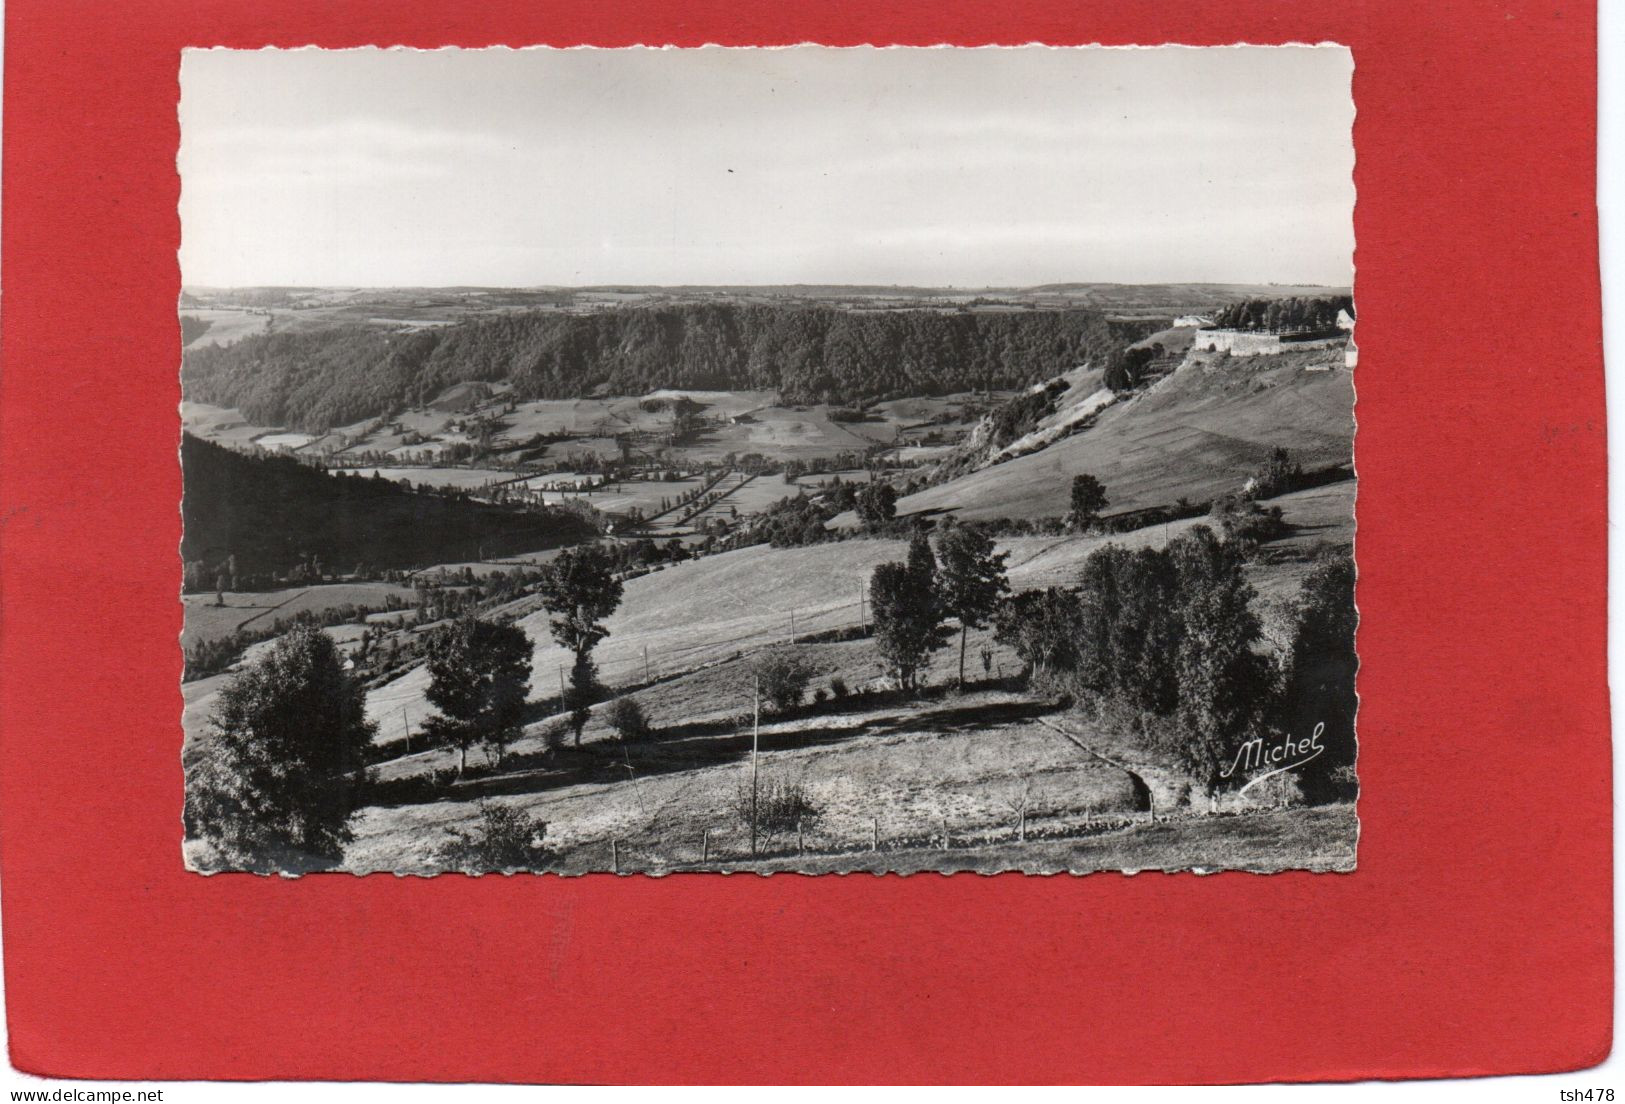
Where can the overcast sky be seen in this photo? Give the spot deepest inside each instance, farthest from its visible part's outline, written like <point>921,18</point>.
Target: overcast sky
<point>807,165</point>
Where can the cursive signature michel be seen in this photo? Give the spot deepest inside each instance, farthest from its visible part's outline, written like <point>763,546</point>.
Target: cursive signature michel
<point>1287,755</point>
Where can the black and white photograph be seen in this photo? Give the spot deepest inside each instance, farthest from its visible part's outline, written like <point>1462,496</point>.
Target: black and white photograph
<point>803,460</point>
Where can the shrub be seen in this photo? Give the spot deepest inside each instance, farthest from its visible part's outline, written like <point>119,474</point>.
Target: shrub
<point>1279,475</point>
<point>505,839</point>
<point>1245,520</point>
<point>837,687</point>
<point>820,696</point>
<point>626,717</point>
<point>877,505</point>
<point>781,806</point>
<point>783,675</point>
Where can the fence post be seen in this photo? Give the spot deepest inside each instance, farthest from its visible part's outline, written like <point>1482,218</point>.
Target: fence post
<point>801,839</point>
<point>755,744</point>
<point>615,853</point>
<point>874,837</point>
<point>705,846</point>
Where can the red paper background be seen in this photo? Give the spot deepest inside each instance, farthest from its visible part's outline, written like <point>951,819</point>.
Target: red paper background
<point>1475,937</point>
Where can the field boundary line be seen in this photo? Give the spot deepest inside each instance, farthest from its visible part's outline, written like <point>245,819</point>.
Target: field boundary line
<point>1135,769</point>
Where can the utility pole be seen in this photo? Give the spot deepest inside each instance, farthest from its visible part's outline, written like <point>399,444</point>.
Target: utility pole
<point>561,688</point>
<point>863,616</point>
<point>407,724</point>
<point>792,626</point>
<point>646,664</point>
<point>755,747</point>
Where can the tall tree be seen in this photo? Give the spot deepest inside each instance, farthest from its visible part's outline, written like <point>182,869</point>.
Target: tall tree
<point>479,675</point>
<point>972,581</point>
<point>907,617</point>
<point>1226,688</point>
<point>579,590</point>
<point>1088,499</point>
<point>275,780</point>
<point>922,561</point>
<point>585,691</point>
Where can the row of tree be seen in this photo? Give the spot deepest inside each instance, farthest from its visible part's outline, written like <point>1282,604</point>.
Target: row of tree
<point>1300,314</point>
<point>1165,643</point>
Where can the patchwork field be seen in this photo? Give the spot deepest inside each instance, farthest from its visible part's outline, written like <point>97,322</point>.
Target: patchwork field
<point>222,326</point>
<point>748,497</point>
<point>850,475</point>
<point>736,423</point>
<point>221,424</point>
<point>243,609</point>
<point>469,479</point>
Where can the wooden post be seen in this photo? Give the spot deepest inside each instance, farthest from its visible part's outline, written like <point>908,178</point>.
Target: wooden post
<point>874,834</point>
<point>801,839</point>
<point>945,831</point>
<point>406,723</point>
<point>755,747</point>
<point>646,678</point>
<point>615,853</point>
<point>705,846</point>
<point>792,626</point>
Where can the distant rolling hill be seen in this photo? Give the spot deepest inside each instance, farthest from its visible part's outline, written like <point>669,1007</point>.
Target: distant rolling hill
<point>1197,434</point>
<point>272,512</point>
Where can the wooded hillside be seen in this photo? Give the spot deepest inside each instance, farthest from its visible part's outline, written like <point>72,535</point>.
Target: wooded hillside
<point>320,379</point>
<point>272,513</point>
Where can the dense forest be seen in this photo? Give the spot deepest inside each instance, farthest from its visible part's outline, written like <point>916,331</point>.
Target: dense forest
<point>273,513</point>
<point>320,379</point>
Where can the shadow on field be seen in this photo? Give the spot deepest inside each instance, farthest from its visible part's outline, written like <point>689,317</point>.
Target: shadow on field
<point>703,744</point>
